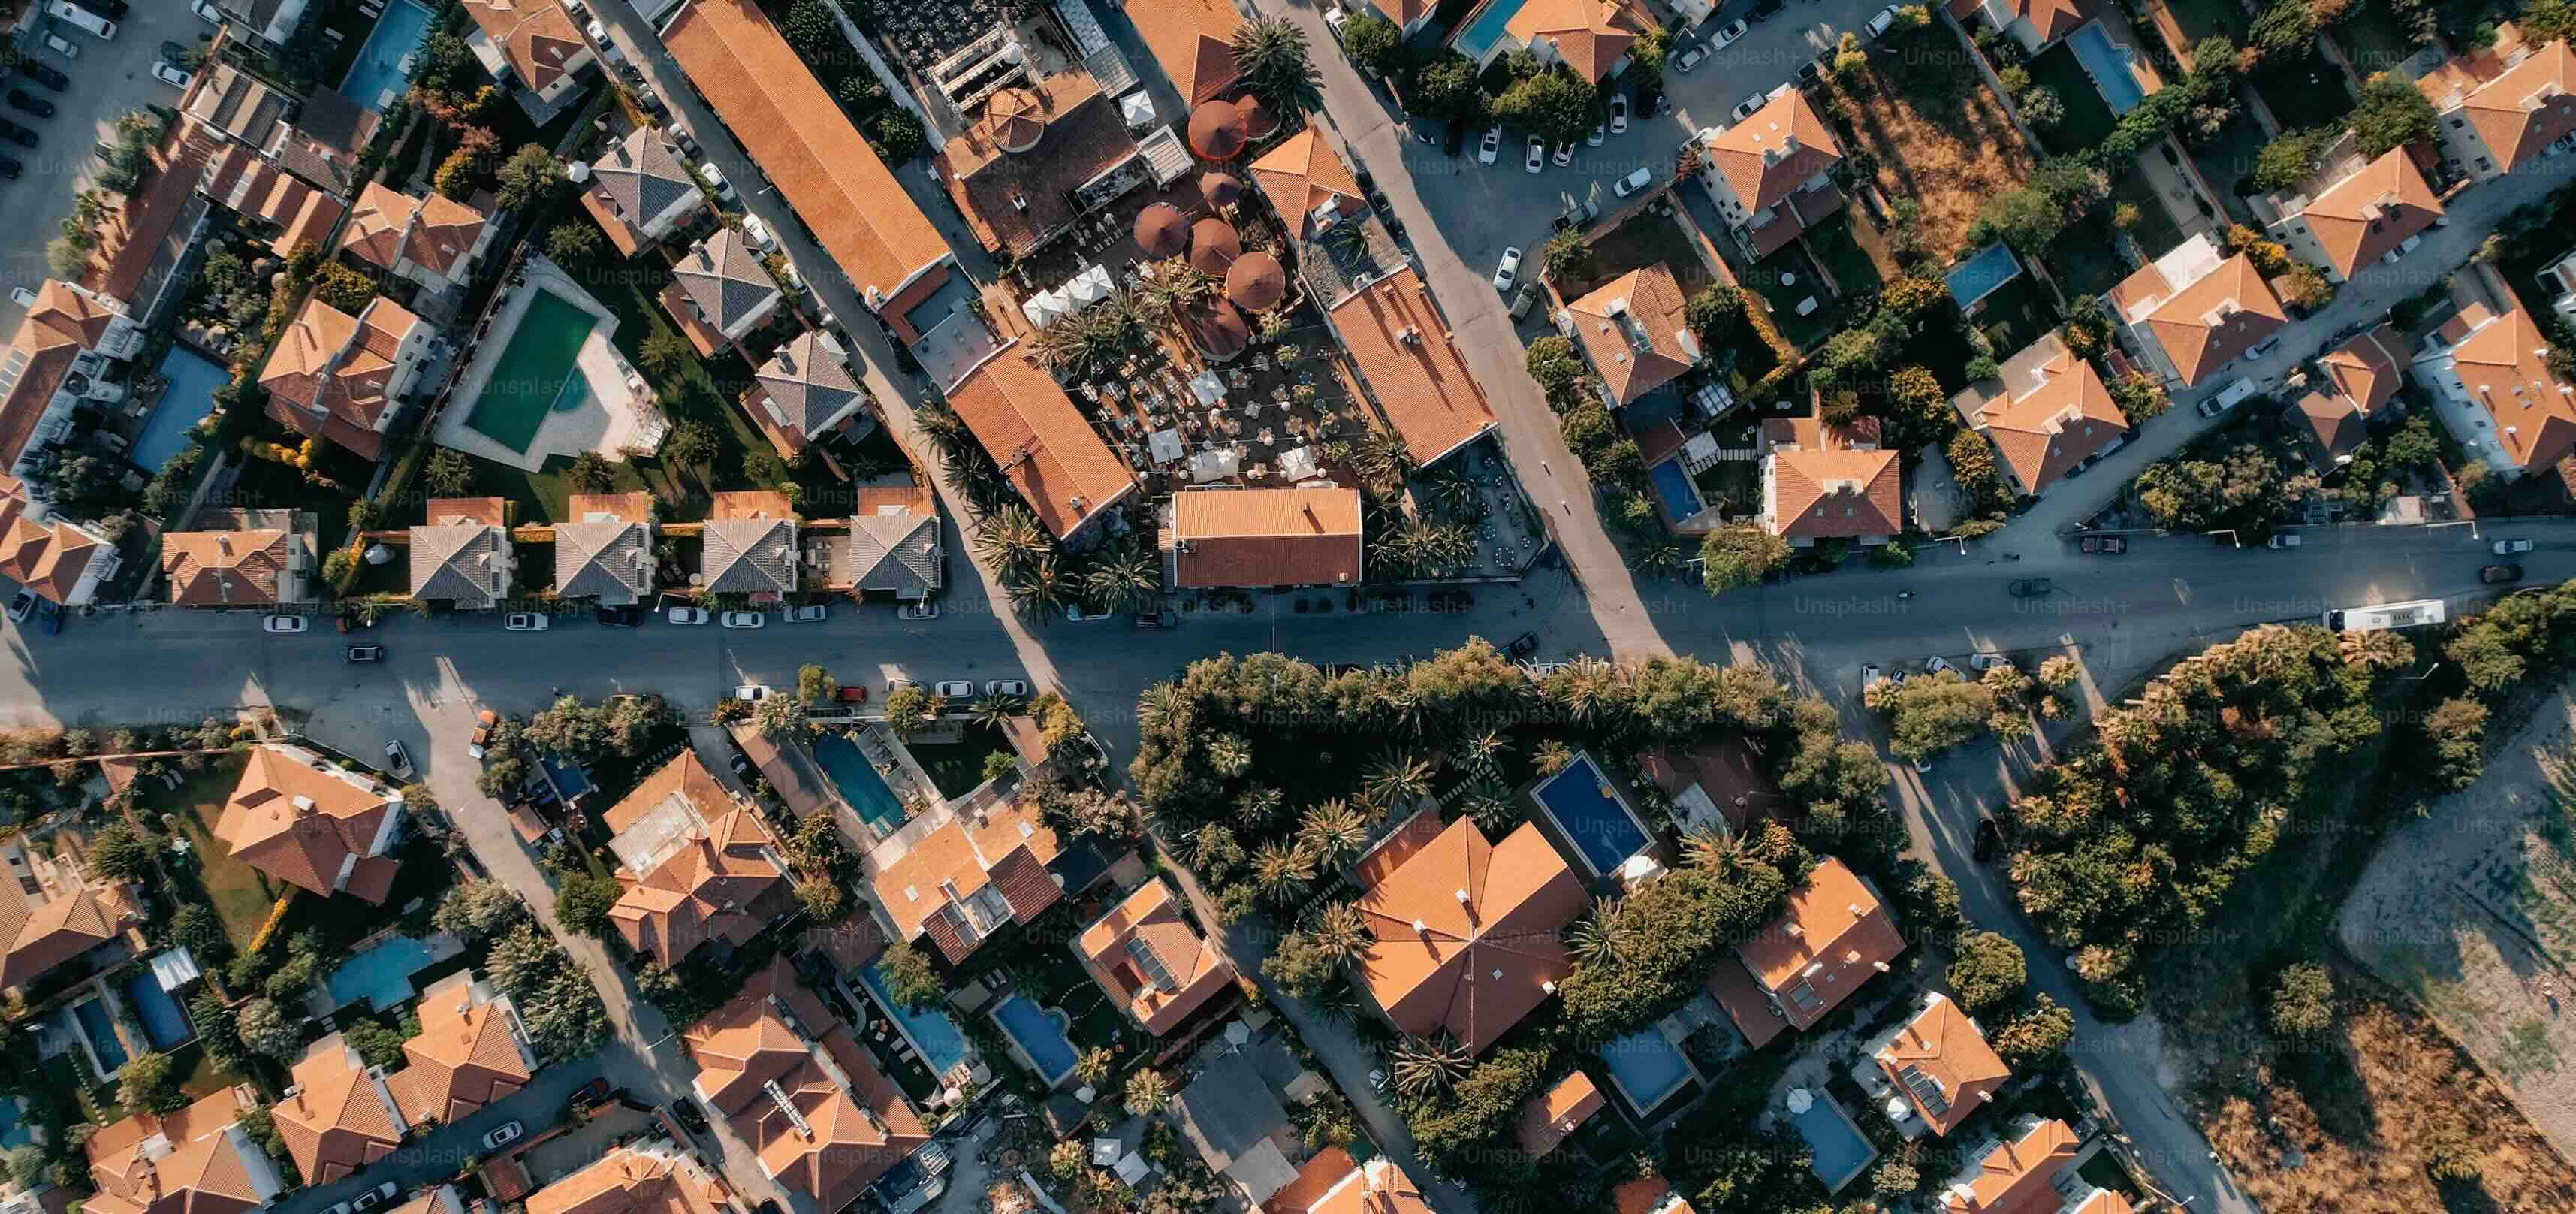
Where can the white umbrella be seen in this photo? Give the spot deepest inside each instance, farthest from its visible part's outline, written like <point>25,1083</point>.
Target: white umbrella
<point>1207,387</point>
<point>1057,301</point>
<point>1297,463</point>
<point>1091,286</point>
<point>1137,108</point>
<point>1801,1100</point>
<point>1034,307</point>
<point>1165,444</point>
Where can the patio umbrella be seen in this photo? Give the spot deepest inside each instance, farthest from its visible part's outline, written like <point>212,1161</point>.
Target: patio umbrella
<point>1214,245</point>
<point>1089,287</point>
<point>1162,231</point>
<point>1207,387</point>
<point>1034,307</point>
<point>1297,463</point>
<point>1258,121</point>
<point>1219,332</point>
<point>1058,302</point>
<point>1138,109</point>
<point>1256,281</point>
<point>1220,189</point>
<point>1216,130</point>
<point>1015,118</point>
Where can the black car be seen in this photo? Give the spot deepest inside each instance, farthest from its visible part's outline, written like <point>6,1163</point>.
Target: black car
<point>1457,138</point>
<point>1523,645</point>
<point>1990,839</point>
<point>113,10</point>
<point>20,99</point>
<point>1768,8</point>
<point>2029,587</point>
<point>44,74</point>
<point>17,134</point>
<point>1808,71</point>
<point>11,168</point>
<point>2500,575</point>
<point>366,653</point>
<point>621,617</point>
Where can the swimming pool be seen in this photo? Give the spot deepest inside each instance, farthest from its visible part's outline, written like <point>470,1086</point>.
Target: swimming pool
<point>100,1027</point>
<point>1646,1069</point>
<point>379,76</point>
<point>860,785</point>
<point>1487,30</point>
<point>1673,485</point>
<point>1840,1151</point>
<point>1982,275</point>
<point>1039,1034</point>
<point>2107,62</point>
<point>189,398</point>
<point>1590,813</point>
<point>941,1042</point>
<point>163,1022</point>
<point>535,373</point>
<point>13,1125</point>
<point>381,974</point>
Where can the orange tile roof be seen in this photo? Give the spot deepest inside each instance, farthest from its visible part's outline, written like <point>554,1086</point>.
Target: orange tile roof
<point>1646,1195</point>
<point>466,1055</point>
<point>1555,1113</point>
<point>1016,199</point>
<point>1267,537</point>
<point>2204,324</point>
<point>722,880</point>
<point>1420,381</point>
<point>1303,173</point>
<point>298,823</point>
<point>226,568</point>
<point>2330,421</point>
<point>328,373</point>
<point>2017,1177</point>
<point>2042,429</point>
<point>1194,41</point>
<point>1008,850</point>
<point>830,1149</point>
<point>434,232</point>
<point>1831,940</point>
<point>1945,1047</point>
<point>141,227</point>
<point>635,1180</point>
<point>2519,100</point>
<point>1588,34</point>
<point>60,919</point>
<point>1148,957</point>
<point>1332,1183</point>
<point>47,557</point>
<point>536,37</point>
<point>1045,446</point>
<point>1403,12</point>
<point>798,135</point>
<point>2360,218</point>
<point>1822,488</point>
<point>1465,933</point>
<point>2368,369</point>
<point>1747,1004</point>
<point>2053,19</point>
<point>205,1170</point>
<point>57,327</point>
<point>1650,299</point>
<point>2504,363</point>
<point>337,1122</point>
<point>1769,155</point>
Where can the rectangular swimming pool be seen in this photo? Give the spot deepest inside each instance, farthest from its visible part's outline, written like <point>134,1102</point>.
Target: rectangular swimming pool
<point>1039,1034</point>
<point>189,398</point>
<point>1982,275</point>
<point>380,75</point>
<point>534,371</point>
<point>941,1042</point>
<point>1481,36</point>
<point>1646,1069</point>
<point>13,1125</point>
<point>860,785</point>
<point>1840,1150</point>
<point>163,1021</point>
<point>100,1027</point>
<point>1591,815</point>
<point>380,975</point>
<point>2108,64</point>
<point>1673,485</point>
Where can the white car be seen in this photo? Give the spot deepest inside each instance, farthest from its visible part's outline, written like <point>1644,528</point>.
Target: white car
<point>206,11</point>
<point>283,623</point>
<point>1936,665</point>
<point>1987,661</point>
<point>1076,614</point>
<point>953,689</point>
<point>1490,146</point>
<point>2509,547</point>
<point>1564,154</point>
<point>170,74</point>
<point>506,1132</point>
<point>810,614</point>
<point>397,760</point>
<point>752,693</point>
<point>1692,56</point>
<point>374,1197</point>
<point>1599,133</point>
<point>1727,34</point>
<point>1508,270</point>
<point>1633,182</point>
<point>1618,113</point>
<point>759,233</point>
<point>525,621</point>
<point>1537,158</point>
<point>715,179</point>
<point>743,619</point>
<point>1007,687</point>
<point>1334,18</point>
<point>1745,108</point>
<point>688,615</point>
<point>1879,24</point>
<point>923,610</point>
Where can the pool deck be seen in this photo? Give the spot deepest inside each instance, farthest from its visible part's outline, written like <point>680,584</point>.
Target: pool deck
<point>616,417</point>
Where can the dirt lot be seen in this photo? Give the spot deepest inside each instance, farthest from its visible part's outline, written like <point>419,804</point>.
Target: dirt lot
<point>1940,135</point>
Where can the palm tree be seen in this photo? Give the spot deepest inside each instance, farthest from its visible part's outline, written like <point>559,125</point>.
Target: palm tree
<point>1260,805</point>
<point>1453,490</point>
<point>1385,460</point>
<point>992,711</point>
<point>1011,539</point>
<point>1163,706</point>
<point>1332,832</point>
<point>1175,289</point>
<point>1341,930</point>
<point>1396,779</point>
<point>1552,757</point>
<point>1038,586</point>
<point>1094,1065</point>
<point>1491,805</point>
<point>1715,851</point>
<point>1147,1093</point>
<point>1598,938</point>
<point>2376,650</point>
<point>1229,754</point>
<point>1127,577</point>
<point>1280,872</point>
<point>1426,1064</point>
<point>1270,54</point>
<point>941,425</point>
<point>1484,752</point>
<point>1058,343</point>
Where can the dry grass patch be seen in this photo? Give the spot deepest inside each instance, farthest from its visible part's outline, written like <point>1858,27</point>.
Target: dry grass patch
<point>1940,136</point>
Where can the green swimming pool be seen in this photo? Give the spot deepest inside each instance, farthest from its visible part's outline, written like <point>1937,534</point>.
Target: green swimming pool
<point>534,373</point>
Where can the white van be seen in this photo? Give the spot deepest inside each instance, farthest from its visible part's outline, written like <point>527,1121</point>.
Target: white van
<point>2229,397</point>
<point>64,10</point>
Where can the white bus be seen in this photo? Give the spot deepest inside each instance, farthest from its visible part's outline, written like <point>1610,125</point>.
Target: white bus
<point>2387,615</point>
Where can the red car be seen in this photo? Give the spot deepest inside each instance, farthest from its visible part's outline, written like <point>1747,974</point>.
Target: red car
<point>853,695</point>
<point>2107,545</point>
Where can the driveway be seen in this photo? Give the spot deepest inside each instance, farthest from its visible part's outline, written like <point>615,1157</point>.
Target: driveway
<point>436,1158</point>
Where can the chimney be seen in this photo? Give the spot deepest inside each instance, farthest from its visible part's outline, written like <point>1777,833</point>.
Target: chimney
<point>1880,966</point>
<point>1796,930</point>
<point>1854,908</point>
<point>1421,928</point>
<point>1462,897</point>
<point>223,543</point>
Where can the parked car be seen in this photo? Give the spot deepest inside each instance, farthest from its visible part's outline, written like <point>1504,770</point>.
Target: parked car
<point>282,623</point>
<point>1693,55</point>
<point>620,617</point>
<point>1508,269</point>
<point>19,605</point>
<point>1989,842</point>
<point>1987,661</point>
<point>1937,664</point>
<point>506,1132</point>
<point>1523,645</point>
<point>44,73</point>
<point>1727,34</point>
<point>1744,109</point>
<point>2227,398</point>
<point>397,760</point>
<point>1564,154</point>
<point>374,1197</point>
<point>1455,140</point>
<point>206,11</point>
<point>688,615</point>
<point>1600,134</point>
<point>1870,674</point>
<point>2103,545</point>
<point>113,10</point>
<point>743,619</point>
<point>366,653</point>
<point>923,610</point>
<point>1618,113</point>
<point>851,693</point>
<point>2029,587</point>
<point>483,723</point>
<point>753,693</point>
<point>1080,615</point>
<point>14,133</point>
<point>1007,687</point>
<point>525,621</point>
<point>60,45</point>
<point>811,613</point>
<point>954,689</point>
<point>1879,24</point>
<point>2500,575</point>
<point>10,168</point>
<point>1633,182</point>
<point>1524,299</point>
<point>171,74</point>
<point>2510,547</point>
<point>63,10</point>
<point>20,99</point>
<point>1536,159</point>
<point>715,179</point>
<point>1809,71</point>
<point>596,1090</point>
<point>1491,145</point>
<point>2283,541</point>
<point>1334,18</point>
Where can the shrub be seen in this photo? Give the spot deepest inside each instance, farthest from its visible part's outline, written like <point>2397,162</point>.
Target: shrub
<point>1986,970</point>
<point>908,976</point>
<point>2302,1000</point>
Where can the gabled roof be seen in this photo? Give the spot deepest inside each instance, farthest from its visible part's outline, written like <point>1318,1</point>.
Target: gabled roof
<point>2518,99</point>
<point>2360,218</point>
<point>1587,34</point>
<point>1151,960</point>
<point>2053,19</point>
<point>1046,448</point>
<point>62,322</point>
<point>2017,1177</point>
<point>1465,932</point>
<point>140,242</point>
<point>1941,1061</point>
<point>336,1121</point>
<point>226,568</point>
<point>1332,1183</point>
<point>47,557</point>
<point>2330,421</point>
<point>1400,343</point>
<point>1823,488</point>
<point>240,180</point>
<point>634,181</point>
<point>536,37</point>
<point>810,382</point>
<point>433,232</point>
<point>1007,850</point>
<point>194,1161</point>
<point>2059,417</point>
<point>60,919</point>
<point>722,275</point>
<point>2202,322</point>
<point>1778,149</point>
<point>1193,40</point>
<point>462,554</point>
<point>606,549</point>
<point>894,542</point>
<point>329,134</point>
<point>2504,364</point>
<point>300,822</point>
<point>636,1179</point>
<point>709,873</point>
<point>236,103</point>
<point>1304,173</point>
<point>1833,937</point>
<point>748,546</point>
<point>328,373</point>
<point>467,1055</point>
<point>815,1110</point>
<point>2369,367</point>
<point>1552,1115</point>
<point>1641,306</point>
<point>1647,1195</point>
<point>1403,12</point>
<point>1266,537</point>
<point>799,136</point>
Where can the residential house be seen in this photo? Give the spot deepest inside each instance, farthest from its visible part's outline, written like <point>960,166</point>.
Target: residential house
<point>967,879</point>
<point>232,103</point>
<point>1401,346</point>
<point>471,1052</point>
<point>605,550</point>
<point>69,351</point>
<point>783,1072</point>
<point>1263,537</point>
<point>434,241</point>
<point>808,390</point>
<point>436,1199</point>
<point>312,823</point>
<point>1940,1062</point>
<point>330,135</point>
<point>2361,378</point>
<point>256,558</point>
<point>1553,1115</point>
<point>1835,935</point>
<point>1829,482</point>
<point>272,23</point>
<point>1307,184</point>
<point>55,558</point>
<point>150,238</point>
<point>2377,211</point>
<point>2495,392</point>
<point>268,198</point>
<point>2193,313</point>
<point>762,90</point>
<point>1154,965</point>
<point>892,546</point>
<point>1333,1183</point>
<point>1045,446</point>
<point>532,43</point>
<point>462,556</point>
<point>198,1160</point>
<point>1771,175</point>
<point>1464,931</point>
<point>2035,24</point>
<point>2049,415</point>
<point>696,866</point>
<point>1647,1195</point>
<point>341,378</point>
<point>2504,106</point>
<point>2028,1174</point>
<point>1018,172</point>
<point>1238,1125</point>
<point>719,291</point>
<point>653,1175</point>
<point>1633,330</point>
<point>338,1115</point>
<point>2560,278</point>
<point>54,913</point>
<point>640,191</point>
<point>1590,37</point>
<point>1410,16</point>
<point>1712,786</point>
<point>748,546</point>
<point>1193,40</point>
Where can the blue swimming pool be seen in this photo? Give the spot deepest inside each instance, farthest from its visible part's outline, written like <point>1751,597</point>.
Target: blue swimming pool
<point>941,1042</point>
<point>187,401</point>
<point>1590,814</point>
<point>2107,62</point>
<point>1646,1069</point>
<point>381,975</point>
<point>1840,1151</point>
<point>860,785</point>
<point>1674,488</point>
<point>13,1125</point>
<point>1039,1035</point>
<point>100,1028</point>
<point>163,1022</point>
<point>1981,275</point>
<point>1481,36</point>
<point>379,76</point>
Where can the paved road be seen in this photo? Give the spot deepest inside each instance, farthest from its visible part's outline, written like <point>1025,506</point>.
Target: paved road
<point>435,1158</point>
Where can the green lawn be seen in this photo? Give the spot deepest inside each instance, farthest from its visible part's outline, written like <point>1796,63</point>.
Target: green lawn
<point>2155,230</point>
<point>1645,239</point>
<point>1801,331</point>
<point>2372,40</point>
<point>241,895</point>
<point>2201,18</point>
<point>1851,266</point>
<point>955,768</point>
<point>2015,315</point>
<point>2303,92</point>
<point>2088,118</point>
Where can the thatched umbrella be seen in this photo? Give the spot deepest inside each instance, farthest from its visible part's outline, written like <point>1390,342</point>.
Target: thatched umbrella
<point>1220,189</point>
<point>1258,121</point>
<point>1216,131</point>
<point>1214,245</point>
<point>1219,331</point>
<point>1256,282</point>
<point>1162,231</point>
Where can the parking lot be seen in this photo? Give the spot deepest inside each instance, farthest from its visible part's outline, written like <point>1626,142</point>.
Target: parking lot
<point>108,78</point>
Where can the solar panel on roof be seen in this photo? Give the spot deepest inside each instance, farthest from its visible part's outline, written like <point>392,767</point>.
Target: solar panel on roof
<point>1926,1089</point>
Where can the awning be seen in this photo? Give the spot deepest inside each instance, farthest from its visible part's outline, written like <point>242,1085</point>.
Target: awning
<point>174,969</point>
<point>1207,387</point>
<point>1091,286</point>
<point>1165,445</point>
<point>1040,308</point>
<point>1138,109</point>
